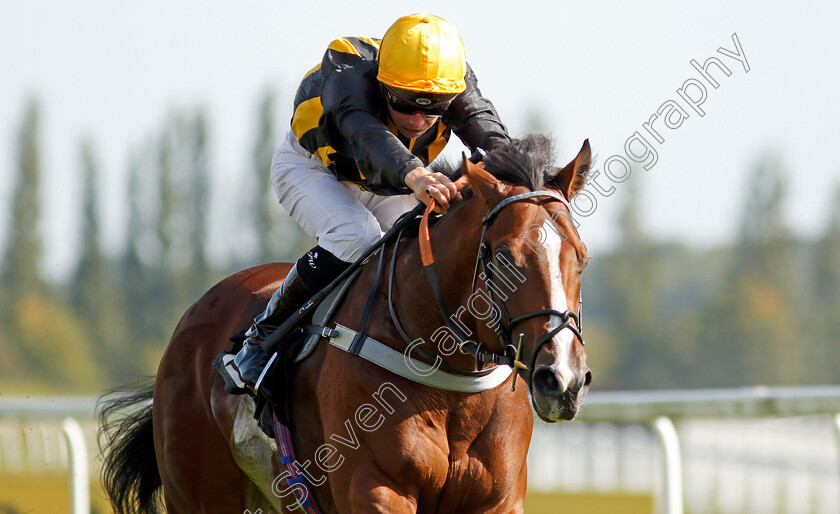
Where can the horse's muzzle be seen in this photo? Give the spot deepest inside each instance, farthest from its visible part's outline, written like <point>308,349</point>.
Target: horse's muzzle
<point>557,391</point>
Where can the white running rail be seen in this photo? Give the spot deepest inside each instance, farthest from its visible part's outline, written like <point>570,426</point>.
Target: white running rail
<point>661,409</point>
<point>667,413</point>
<point>44,413</point>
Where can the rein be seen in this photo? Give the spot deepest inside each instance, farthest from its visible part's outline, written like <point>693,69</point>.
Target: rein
<point>510,356</point>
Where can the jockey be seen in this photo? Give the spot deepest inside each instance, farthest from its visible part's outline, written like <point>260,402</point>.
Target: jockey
<point>367,121</point>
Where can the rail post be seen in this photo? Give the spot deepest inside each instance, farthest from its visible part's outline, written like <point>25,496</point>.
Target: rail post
<point>79,472</point>
<point>837,428</point>
<point>667,433</point>
<point>836,420</point>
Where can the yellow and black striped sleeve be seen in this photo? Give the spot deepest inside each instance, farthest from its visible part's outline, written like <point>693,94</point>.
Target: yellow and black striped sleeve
<point>338,117</point>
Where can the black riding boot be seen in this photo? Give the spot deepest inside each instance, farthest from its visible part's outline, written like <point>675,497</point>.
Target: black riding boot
<point>311,273</point>
<point>251,359</point>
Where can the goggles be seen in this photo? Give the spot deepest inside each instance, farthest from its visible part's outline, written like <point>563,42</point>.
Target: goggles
<point>430,105</point>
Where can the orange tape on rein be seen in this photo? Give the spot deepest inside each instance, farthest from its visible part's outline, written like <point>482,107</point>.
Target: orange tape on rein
<point>425,241</point>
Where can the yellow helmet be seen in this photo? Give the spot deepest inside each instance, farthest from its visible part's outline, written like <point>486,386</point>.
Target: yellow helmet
<point>423,53</point>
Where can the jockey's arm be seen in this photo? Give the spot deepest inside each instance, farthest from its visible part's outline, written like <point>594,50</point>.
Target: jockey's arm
<point>350,125</point>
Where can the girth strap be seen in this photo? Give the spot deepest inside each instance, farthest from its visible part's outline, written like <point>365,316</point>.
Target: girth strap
<point>418,371</point>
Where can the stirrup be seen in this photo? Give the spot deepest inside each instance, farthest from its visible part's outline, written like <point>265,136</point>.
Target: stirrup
<point>257,386</point>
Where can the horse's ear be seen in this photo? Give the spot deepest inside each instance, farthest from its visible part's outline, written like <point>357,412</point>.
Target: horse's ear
<point>572,178</point>
<point>485,185</point>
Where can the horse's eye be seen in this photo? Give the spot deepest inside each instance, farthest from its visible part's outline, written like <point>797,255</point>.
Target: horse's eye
<point>504,258</point>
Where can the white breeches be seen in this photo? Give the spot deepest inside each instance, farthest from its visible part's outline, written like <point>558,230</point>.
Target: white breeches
<point>343,218</point>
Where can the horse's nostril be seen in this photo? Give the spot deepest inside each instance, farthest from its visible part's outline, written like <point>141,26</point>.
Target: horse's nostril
<point>546,383</point>
<point>587,379</point>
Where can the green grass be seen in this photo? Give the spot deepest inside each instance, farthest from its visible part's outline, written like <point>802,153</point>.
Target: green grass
<point>46,494</point>
<point>588,502</point>
<point>51,494</point>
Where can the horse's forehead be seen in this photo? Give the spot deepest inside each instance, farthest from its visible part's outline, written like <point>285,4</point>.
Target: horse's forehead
<point>548,226</point>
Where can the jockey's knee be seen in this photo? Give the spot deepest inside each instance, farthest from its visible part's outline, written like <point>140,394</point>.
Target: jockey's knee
<point>348,241</point>
<point>318,267</point>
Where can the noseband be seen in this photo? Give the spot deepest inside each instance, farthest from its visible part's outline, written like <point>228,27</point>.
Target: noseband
<point>504,325</point>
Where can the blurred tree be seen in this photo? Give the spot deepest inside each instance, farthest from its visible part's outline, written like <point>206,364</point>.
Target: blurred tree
<point>89,275</point>
<point>164,295</point>
<point>749,330</point>
<point>624,291</point>
<point>166,199</point>
<point>132,268</point>
<point>57,351</point>
<point>165,266</point>
<point>43,342</point>
<point>149,288</point>
<point>197,274</point>
<point>93,293</point>
<point>262,197</point>
<point>765,247</point>
<point>141,325</point>
<point>644,356</point>
<point>824,305</point>
<point>20,275</point>
<point>23,251</point>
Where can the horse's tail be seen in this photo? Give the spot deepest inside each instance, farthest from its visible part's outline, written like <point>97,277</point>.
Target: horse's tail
<point>130,474</point>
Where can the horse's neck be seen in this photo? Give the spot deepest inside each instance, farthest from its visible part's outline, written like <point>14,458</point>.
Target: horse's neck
<point>455,240</point>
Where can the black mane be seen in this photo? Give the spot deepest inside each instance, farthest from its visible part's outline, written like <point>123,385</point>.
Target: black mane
<point>524,162</point>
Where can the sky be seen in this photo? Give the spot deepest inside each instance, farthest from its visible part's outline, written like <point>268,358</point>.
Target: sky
<point>110,71</point>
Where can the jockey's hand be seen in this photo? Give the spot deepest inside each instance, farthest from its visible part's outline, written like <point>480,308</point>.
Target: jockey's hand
<point>427,185</point>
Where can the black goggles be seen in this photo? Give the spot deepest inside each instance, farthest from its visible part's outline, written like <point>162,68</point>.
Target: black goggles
<point>409,102</point>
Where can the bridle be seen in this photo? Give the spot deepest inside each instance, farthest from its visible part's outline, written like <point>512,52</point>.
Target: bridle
<point>504,324</point>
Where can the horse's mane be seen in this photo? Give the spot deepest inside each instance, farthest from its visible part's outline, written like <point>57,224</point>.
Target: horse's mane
<point>528,162</point>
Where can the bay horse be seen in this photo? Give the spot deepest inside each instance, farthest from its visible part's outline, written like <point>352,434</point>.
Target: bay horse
<point>381,442</point>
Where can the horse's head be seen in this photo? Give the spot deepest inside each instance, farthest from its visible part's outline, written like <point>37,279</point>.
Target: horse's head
<point>534,259</point>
